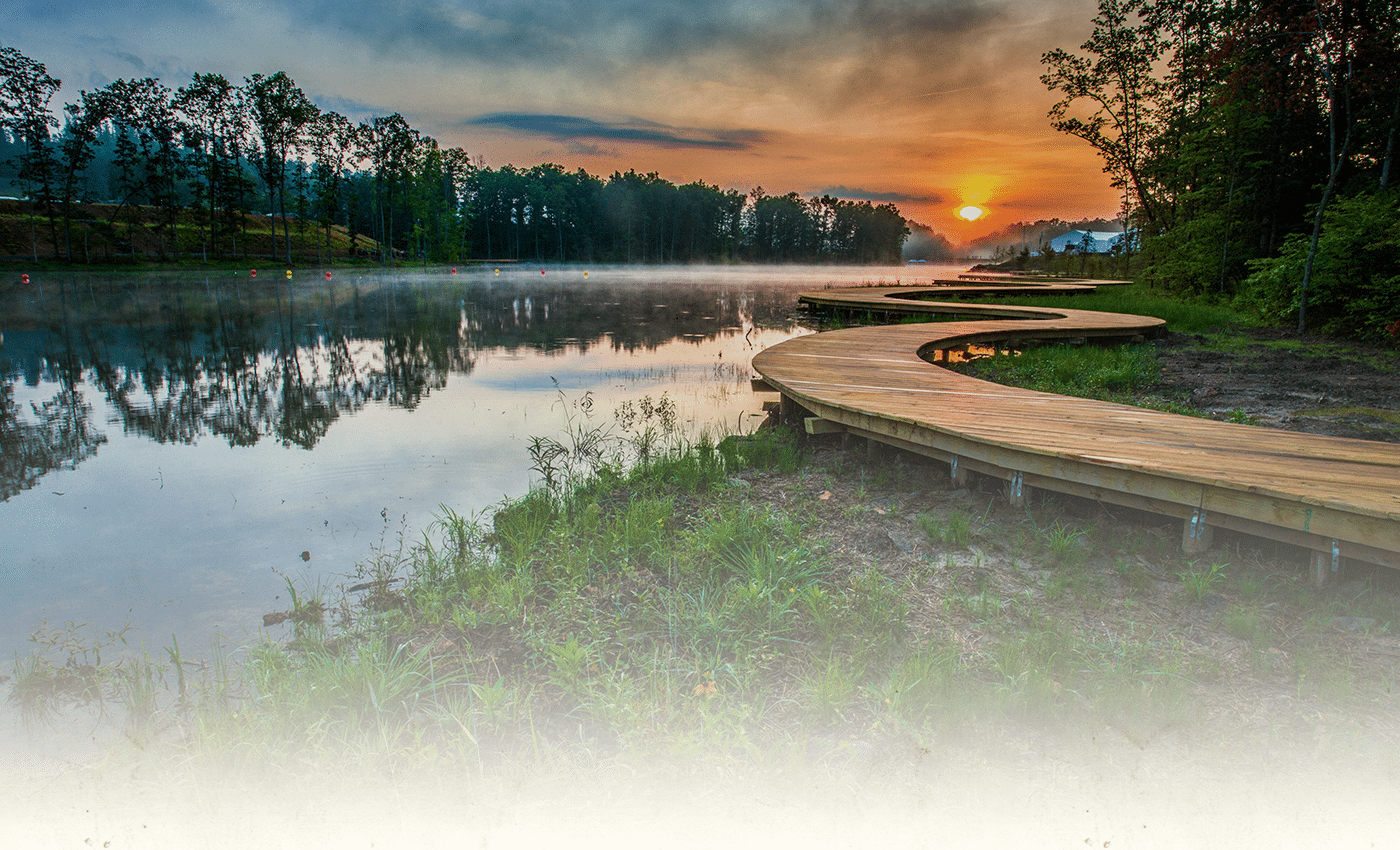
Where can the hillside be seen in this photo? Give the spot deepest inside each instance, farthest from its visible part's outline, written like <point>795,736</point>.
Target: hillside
<point>113,234</point>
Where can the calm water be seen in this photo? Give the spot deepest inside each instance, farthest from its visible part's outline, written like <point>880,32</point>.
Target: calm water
<point>172,444</point>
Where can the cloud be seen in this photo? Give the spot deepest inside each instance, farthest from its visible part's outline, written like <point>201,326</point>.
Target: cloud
<point>571,128</point>
<point>891,197</point>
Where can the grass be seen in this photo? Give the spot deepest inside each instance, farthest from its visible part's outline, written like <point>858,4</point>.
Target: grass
<point>690,609</point>
<point>1125,374</point>
<point>1139,300</point>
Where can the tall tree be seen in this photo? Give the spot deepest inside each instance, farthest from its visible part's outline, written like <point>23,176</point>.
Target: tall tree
<point>388,143</point>
<point>1118,79</point>
<point>333,148</point>
<point>25,91</point>
<point>280,113</point>
<point>217,120</point>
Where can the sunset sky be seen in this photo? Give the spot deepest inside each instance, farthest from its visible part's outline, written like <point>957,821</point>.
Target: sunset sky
<point>930,104</point>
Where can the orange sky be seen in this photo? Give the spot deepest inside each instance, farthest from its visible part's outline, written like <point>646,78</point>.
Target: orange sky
<point>929,104</point>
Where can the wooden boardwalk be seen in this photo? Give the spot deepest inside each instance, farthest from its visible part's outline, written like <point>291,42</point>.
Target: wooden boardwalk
<point>1339,498</point>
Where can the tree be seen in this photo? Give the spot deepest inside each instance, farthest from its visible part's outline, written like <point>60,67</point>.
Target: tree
<point>76,147</point>
<point>333,143</point>
<point>280,113</point>
<point>216,121</point>
<point>1119,80</point>
<point>25,91</point>
<point>388,143</point>
<point>148,134</point>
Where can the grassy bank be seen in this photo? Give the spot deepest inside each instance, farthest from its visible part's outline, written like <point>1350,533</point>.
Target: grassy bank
<point>754,603</point>
<point>112,236</point>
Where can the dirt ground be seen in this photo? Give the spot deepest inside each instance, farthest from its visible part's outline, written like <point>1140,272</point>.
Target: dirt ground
<point>1313,384</point>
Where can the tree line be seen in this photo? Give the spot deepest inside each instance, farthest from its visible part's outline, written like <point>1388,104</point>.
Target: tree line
<point>1254,144</point>
<point>222,149</point>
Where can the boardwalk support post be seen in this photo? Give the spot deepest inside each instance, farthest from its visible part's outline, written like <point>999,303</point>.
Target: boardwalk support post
<point>1196,536</point>
<point>1016,490</point>
<point>1326,566</point>
<point>957,472</point>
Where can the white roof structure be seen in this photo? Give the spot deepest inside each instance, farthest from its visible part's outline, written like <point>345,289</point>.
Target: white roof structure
<point>1078,240</point>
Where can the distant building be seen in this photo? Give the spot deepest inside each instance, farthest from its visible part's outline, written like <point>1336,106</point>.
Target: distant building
<point>1087,241</point>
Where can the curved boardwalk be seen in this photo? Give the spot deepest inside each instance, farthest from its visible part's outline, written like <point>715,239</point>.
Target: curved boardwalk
<point>1339,498</point>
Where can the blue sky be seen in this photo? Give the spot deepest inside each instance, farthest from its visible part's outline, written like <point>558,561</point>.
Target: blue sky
<point>931,104</point>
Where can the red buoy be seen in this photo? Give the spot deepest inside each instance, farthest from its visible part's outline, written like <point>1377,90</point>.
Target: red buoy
<point>541,271</point>
<point>328,275</point>
<point>24,278</point>
<point>253,273</point>
<point>454,269</point>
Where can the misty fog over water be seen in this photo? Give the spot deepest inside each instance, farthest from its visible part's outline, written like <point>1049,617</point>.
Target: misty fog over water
<point>174,442</point>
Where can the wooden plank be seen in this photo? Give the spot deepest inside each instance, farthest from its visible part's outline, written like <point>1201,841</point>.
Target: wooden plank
<point>816,425</point>
<point>1302,488</point>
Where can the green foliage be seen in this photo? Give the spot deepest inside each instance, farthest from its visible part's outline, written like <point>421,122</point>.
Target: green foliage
<point>769,449</point>
<point>953,528</point>
<point>1355,287</point>
<point>1227,128</point>
<point>1109,374</point>
<point>1199,581</point>
<point>1182,313</point>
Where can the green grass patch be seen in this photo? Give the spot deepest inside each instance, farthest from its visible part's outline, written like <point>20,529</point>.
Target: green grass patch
<point>1120,374</point>
<point>1139,300</point>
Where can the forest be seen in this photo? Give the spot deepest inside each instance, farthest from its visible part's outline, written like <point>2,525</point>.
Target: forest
<point>152,155</point>
<point>1254,143</point>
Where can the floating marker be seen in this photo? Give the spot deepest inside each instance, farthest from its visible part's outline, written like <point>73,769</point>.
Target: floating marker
<point>24,278</point>
<point>454,269</point>
<point>498,272</point>
<point>289,274</point>
<point>328,275</point>
<point>541,271</point>
<point>585,274</point>
<point>253,273</point>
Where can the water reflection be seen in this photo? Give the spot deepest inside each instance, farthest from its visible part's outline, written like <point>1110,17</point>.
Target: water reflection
<point>171,445</point>
<point>178,360</point>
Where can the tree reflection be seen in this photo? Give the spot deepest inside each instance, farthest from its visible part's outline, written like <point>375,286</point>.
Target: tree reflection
<point>179,360</point>
<point>57,435</point>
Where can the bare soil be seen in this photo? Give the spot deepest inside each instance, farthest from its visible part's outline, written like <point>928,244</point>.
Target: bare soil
<point>1310,383</point>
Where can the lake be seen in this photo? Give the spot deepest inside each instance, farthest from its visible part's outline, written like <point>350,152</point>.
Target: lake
<point>177,445</point>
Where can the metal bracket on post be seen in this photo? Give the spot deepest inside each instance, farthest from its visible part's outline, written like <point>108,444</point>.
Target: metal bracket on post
<point>1196,535</point>
<point>958,472</point>
<point>1016,490</point>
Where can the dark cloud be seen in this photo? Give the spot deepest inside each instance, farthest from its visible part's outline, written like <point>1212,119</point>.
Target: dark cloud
<point>881,197</point>
<point>607,37</point>
<point>570,128</point>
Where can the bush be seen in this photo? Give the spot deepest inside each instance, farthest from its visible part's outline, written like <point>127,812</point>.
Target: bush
<point>1355,288</point>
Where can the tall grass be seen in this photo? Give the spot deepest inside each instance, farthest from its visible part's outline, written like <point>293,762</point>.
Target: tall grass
<point>1186,316</point>
<point>657,611</point>
<point>1120,373</point>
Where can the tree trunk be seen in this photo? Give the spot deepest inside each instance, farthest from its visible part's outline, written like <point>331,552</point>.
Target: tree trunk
<point>1390,144</point>
<point>1335,158</point>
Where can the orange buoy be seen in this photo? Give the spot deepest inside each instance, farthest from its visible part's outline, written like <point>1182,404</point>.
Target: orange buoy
<point>289,274</point>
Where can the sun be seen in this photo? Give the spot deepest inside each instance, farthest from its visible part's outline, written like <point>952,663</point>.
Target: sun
<point>971,212</point>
